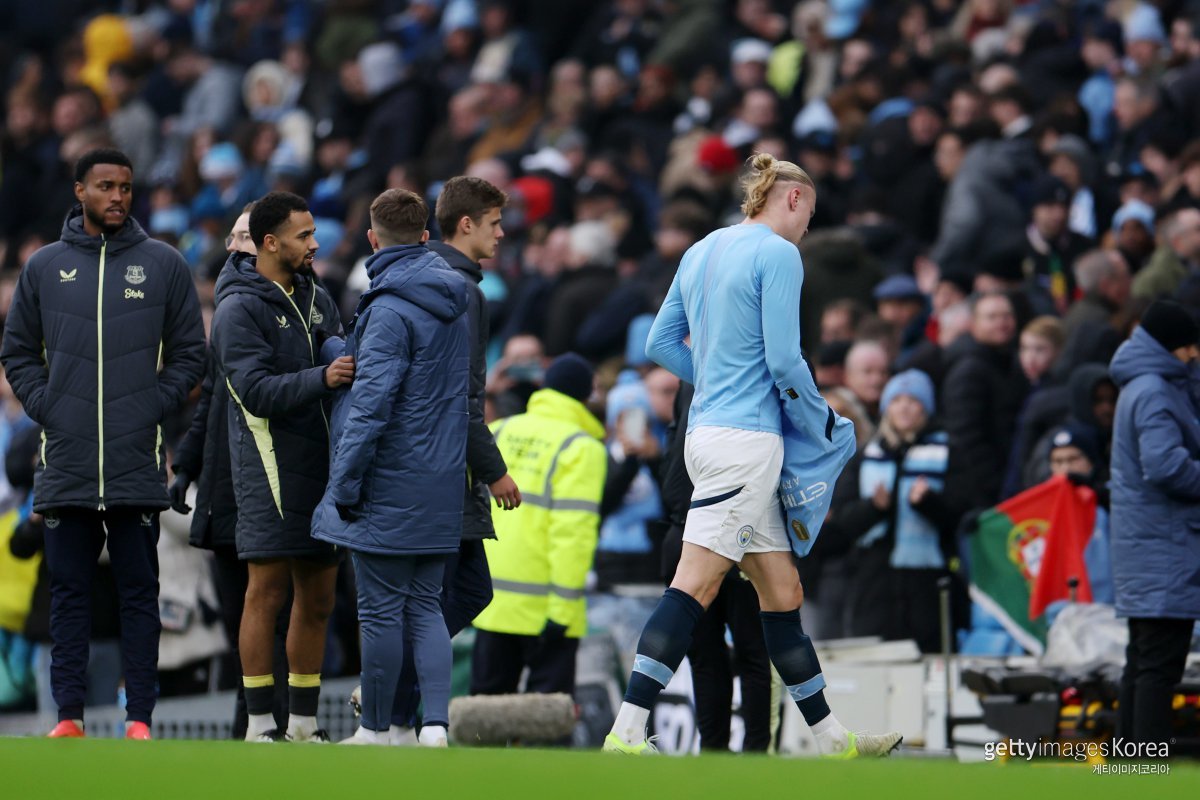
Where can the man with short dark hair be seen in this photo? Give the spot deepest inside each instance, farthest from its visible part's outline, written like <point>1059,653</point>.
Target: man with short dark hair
<point>468,214</point>
<point>271,321</point>
<point>93,316</point>
<point>395,494</point>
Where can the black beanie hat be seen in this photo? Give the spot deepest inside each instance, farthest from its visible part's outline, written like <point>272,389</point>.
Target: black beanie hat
<point>571,375</point>
<point>1170,324</point>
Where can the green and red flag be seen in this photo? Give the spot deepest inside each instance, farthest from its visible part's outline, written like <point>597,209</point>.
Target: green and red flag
<point>1025,550</point>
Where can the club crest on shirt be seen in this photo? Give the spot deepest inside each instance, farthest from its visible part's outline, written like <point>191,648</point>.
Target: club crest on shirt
<point>317,317</point>
<point>135,274</point>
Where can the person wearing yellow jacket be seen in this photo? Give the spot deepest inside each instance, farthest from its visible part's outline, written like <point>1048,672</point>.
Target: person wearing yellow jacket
<point>543,550</point>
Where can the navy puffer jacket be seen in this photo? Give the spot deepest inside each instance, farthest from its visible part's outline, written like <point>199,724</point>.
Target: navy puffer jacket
<point>267,346</point>
<point>1155,539</point>
<point>91,321</point>
<point>400,432</point>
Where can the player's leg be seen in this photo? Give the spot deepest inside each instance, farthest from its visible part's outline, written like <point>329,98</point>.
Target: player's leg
<point>780,596</point>
<point>751,663</point>
<point>665,641</point>
<point>431,647</point>
<point>314,583</point>
<point>383,594</point>
<point>267,585</point>
<point>712,674</point>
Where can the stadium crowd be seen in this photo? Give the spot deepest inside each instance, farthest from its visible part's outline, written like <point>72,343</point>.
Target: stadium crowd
<point>1004,187</point>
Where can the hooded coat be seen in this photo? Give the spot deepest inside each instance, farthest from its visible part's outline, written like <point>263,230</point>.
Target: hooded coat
<point>90,321</point>
<point>267,346</point>
<point>400,432</point>
<point>1155,529</point>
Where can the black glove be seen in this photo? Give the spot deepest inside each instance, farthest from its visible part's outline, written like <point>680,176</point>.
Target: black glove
<point>178,492</point>
<point>345,512</point>
<point>553,633</point>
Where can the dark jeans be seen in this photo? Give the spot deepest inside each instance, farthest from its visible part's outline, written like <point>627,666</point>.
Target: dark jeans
<point>1154,662</point>
<point>499,658</point>
<point>74,539</point>
<point>466,591</point>
<point>231,577</point>
<point>736,605</point>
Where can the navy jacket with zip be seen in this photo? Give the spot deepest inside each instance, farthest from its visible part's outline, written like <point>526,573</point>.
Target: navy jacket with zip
<point>400,432</point>
<point>267,346</point>
<point>91,320</point>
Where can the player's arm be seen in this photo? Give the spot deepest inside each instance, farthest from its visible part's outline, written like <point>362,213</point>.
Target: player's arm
<point>782,276</point>
<point>666,344</point>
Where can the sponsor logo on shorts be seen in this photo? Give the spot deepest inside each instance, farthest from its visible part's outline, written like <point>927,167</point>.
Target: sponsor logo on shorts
<point>51,521</point>
<point>147,520</point>
<point>745,534</point>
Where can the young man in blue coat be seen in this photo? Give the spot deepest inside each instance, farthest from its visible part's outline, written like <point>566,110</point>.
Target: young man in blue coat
<point>395,496</point>
<point>1155,532</point>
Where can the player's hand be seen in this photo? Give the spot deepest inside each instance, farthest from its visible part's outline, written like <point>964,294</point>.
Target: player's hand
<point>507,495</point>
<point>920,490</point>
<point>340,372</point>
<point>882,498</point>
<point>178,492</point>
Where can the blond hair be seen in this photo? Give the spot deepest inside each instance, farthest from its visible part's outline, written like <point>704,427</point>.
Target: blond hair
<point>1048,328</point>
<point>763,173</point>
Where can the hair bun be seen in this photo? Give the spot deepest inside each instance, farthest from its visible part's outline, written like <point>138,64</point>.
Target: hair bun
<point>762,162</point>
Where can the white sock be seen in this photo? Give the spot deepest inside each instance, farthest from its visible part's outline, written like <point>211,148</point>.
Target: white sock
<point>301,727</point>
<point>433,736</point>
<point>630,726</point>
<point>259,724</point>
<point>832,737</point>
<point>78,723</point>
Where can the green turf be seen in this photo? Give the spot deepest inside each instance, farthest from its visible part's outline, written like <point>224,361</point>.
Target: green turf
<point>177,770</point>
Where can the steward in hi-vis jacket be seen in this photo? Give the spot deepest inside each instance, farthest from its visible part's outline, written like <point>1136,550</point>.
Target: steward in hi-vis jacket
<point>543,550</point>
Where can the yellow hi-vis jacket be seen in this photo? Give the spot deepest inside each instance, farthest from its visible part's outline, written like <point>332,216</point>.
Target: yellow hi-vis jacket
<point>543,550</point>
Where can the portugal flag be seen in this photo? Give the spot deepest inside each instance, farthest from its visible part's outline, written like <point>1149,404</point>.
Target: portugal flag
<point>1026,549</point>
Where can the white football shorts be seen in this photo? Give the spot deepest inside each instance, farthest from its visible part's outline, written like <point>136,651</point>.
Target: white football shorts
<point>735,505</point>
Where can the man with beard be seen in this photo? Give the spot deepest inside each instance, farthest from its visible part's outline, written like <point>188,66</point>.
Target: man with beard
<point>270,323</point>
<point>93,317</point>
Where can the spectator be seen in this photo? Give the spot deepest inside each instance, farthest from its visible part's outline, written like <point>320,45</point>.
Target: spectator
<point>1133,233</point>
<point>981,396</point>
<point>1175,260</point>
<point>892,517</point>
<point>1051,246</point>
<point>899,302</point>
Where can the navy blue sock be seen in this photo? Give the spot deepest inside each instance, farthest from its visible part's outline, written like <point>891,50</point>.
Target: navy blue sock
<point>663,645</point>
<point>795,659</point>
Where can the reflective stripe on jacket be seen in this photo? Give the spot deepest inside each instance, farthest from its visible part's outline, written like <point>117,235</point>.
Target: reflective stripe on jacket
<point>543,550</point>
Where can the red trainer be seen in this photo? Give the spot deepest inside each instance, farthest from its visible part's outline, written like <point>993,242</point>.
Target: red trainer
<point>138,730</point>
<point>66,730</point>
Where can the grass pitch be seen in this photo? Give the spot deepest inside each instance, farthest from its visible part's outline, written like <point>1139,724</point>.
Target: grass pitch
<point>178,770</point>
